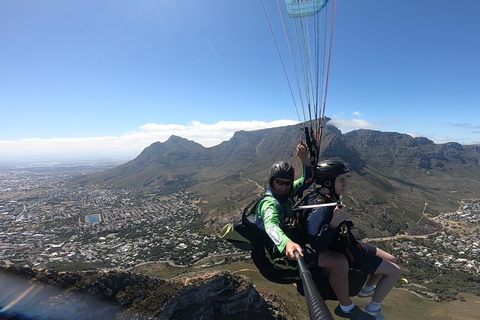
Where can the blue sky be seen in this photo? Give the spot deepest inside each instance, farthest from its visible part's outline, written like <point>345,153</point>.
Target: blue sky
<point>108,78</point>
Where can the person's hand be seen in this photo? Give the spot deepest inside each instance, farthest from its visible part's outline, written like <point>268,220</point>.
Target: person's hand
<point>290,249</point>
<point>303,154</point>
<point>339,215</point>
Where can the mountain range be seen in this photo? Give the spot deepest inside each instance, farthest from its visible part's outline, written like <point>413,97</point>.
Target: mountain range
<point>396,183</point>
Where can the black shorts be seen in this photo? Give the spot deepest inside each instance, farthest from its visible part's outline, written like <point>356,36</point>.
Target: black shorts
<point>365,258</point>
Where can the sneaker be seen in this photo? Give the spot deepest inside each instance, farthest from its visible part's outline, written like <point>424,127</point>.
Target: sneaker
<point>355,314</point>
<point>366,294</point>
<point>377,314</point>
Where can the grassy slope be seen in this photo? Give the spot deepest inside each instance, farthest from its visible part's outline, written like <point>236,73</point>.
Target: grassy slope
<point>400,304</point>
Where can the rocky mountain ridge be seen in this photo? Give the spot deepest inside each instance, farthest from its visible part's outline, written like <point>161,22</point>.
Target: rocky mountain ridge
<point>113,294</point>
<point>397,184</point>
<point>395,178</point>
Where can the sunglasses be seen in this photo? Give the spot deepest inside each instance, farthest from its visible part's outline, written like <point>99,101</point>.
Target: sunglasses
<point>283,183</point>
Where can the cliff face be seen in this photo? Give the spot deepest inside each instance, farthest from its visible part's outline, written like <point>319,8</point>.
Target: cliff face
<point>393,175</point>
<point>111,294</point>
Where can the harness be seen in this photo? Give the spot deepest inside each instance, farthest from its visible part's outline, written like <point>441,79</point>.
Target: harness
<point>343,240</point>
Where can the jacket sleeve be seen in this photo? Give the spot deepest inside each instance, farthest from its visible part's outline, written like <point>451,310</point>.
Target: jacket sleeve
<point>305,181</point>
<point>269,213</point>
<point>319,231</point>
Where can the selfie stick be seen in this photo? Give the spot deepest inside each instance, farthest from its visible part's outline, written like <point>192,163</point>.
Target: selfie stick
<point>317,308</point>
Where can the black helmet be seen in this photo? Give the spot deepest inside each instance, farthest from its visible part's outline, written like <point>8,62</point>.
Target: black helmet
<point>327,171</point>
<point>280,169</point>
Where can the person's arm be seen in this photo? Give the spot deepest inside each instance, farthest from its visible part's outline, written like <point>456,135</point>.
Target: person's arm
<point>268,210</point>
<point>304,182</point>
<point>306,179</point>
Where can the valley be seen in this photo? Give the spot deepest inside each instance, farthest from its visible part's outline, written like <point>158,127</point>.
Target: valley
<point>44,224</point>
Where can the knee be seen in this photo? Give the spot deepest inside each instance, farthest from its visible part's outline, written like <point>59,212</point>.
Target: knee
<point>386,256</point>
<point>393,259</point>
<point>341,264</point>
<point>390,258</point>
<point>397,271</point>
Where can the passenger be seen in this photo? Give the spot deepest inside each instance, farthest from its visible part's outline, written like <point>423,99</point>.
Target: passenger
<point>276,259</point>
<point>330,235</point>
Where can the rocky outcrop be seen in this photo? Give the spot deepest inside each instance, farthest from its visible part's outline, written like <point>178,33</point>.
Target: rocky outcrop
<point>112,294</point>
<point>217,295</point>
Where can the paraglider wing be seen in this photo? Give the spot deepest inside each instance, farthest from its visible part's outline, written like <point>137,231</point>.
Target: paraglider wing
<point>304,8</point>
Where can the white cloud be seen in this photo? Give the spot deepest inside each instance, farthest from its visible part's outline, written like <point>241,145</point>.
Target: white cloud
<point>129,144</point>
<point>356,113</point>
<point>352,124</point>
<point>414,134</point>
<point>207,135</point>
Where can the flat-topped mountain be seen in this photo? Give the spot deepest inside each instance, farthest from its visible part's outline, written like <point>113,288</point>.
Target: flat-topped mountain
<point>395,178</point>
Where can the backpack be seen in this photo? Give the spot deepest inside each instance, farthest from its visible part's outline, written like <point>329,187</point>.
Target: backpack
<point>242,231</point>
<point>244,234</point>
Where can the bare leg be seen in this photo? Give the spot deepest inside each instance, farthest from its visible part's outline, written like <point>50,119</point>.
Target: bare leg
<point>337,264</point>
<point>389,273</point>
<point>374,278</point>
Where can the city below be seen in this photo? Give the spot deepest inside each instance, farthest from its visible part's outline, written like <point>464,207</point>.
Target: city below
<point>44,221</point>
<point>47,222</point>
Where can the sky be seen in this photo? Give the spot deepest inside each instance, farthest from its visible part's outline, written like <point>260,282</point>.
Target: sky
<point>86,79</point>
